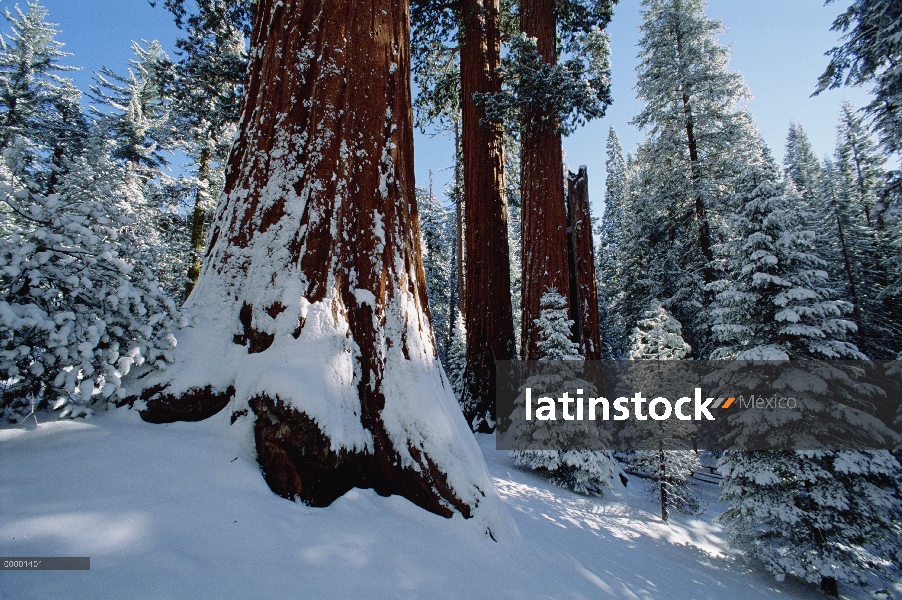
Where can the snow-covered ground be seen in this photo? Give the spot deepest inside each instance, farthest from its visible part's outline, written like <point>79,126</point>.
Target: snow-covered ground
<point>181,511</point>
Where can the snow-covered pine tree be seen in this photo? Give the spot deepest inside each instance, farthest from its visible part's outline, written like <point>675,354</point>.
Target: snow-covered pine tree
<point>456,362</point>
<point>801,164</point>
<point>204,88</point>
<point>438,263</point>
<point>39,107</point>
<point>608,255</point>
<point>666,455</point>
<point>135,118</point>
<point>311,306</point>
<point>859,178</point>
<point>554,328</point>
<point>698,141</point>
<point>859,161</point>
<point>583,471</point>
<point>850,246</point>
<point>777,287</point>
<point>79,306</point>
<point>820,515</point>
<point>871,53</point>
<point>658,336</point>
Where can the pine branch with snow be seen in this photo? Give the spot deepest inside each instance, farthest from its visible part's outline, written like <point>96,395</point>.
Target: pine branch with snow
<point>79,305</point>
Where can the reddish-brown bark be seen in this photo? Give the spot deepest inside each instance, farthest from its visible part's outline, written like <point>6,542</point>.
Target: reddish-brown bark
<point>319,210</point>
<point>487,302</point>
<point>584,287</point>
<point>543,213</point>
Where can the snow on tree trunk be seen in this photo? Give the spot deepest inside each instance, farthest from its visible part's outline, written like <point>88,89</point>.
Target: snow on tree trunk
<point>311,305</point>
<point>544,216</point>
<point>487,302</point>
<point>583,280</point>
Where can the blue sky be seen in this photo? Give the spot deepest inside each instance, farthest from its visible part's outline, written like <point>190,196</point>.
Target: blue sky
<point>778,45</point>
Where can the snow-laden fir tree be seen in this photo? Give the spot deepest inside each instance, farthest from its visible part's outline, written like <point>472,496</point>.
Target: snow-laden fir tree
<point>39,107</point>
<point>79,305</point>
<point>850,246</point>
<point>438,262</point>
<point>658,336</point>
<point>818,515</point>
<point>871,53</point>
<point>859,186</point>
<point>456,361</point>
<point>698,140</point>
<point>608,256</point>
<point>777,288</point>
<point>136,118</point>
<point>859,161</point>
<point>583,471</point>
<point>665,451</point>
<point>801,165</point>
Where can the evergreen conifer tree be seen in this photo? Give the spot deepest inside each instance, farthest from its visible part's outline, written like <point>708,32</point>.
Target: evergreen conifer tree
<point>801,164</point>
<point>583,471</point>
<point>438,263</point>
<point>665,454</point>
<point>609,255</point>
<point>811,514</point>
<point>456,362</point>
<point>698,141</point>
<point>39,107</point>
<point>79,305</point>
<point>871,53</point>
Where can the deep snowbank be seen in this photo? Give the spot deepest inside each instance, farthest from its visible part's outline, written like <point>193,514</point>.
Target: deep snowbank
<point>181,511</point>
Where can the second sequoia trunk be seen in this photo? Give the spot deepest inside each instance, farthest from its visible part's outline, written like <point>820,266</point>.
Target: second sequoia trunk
<point>310,310</point>
<point>583,281</point>
<point>487,301</point>
<point>543,213</point>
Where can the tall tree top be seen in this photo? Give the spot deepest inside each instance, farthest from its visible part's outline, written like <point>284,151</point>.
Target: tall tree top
<point>800,163</point>
<point>36,102</point>
<point>681,59</point>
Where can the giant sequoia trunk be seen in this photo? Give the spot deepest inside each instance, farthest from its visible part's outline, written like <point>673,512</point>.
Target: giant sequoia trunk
<point>543,213</point>
<point>488,312</point>
<point>311,306</point>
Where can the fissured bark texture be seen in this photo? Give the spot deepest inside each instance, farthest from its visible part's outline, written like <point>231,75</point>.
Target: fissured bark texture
<point>543,212</point>
<point>319,211</point>
<point>584,294</point>
<point>487,302</point>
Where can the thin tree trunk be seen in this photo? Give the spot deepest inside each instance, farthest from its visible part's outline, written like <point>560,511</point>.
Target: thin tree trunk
<point>543,212</point>
<point>701,213</point>
<point>311,305</point>
<point>829,587</point>
<point>663,475</point>
<point>487,302</point>
<point>853,289</point>
<point>198,218</point>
